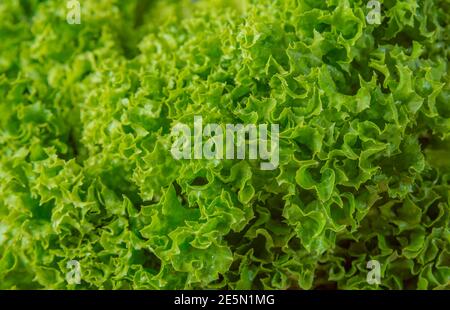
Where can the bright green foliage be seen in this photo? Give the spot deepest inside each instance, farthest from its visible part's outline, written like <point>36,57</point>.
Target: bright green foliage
<point>85,166</point>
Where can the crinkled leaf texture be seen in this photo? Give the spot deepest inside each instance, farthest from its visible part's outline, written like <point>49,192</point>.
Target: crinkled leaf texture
<point>86,171</point>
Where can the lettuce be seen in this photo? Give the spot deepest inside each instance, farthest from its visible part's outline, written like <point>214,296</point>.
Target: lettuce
<point>86,170</point>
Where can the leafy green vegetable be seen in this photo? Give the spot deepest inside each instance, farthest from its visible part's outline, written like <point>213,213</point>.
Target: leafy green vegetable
<point>87,174</point>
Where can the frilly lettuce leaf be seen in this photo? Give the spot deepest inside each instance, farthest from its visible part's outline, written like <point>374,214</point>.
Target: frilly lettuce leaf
<point>87,175</point>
